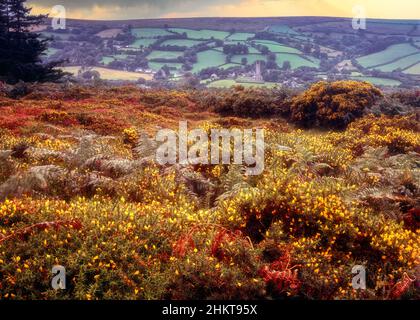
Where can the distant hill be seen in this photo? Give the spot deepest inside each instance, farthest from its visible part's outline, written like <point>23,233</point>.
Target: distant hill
<point>293,51</point>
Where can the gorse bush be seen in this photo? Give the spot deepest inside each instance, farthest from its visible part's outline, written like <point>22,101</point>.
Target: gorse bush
<point>333,105</point>
<point>79,187</point>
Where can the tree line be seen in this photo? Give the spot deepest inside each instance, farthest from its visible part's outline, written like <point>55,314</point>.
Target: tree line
<point>20,49</point>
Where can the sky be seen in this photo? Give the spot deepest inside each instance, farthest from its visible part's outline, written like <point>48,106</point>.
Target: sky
<point>138,9</point>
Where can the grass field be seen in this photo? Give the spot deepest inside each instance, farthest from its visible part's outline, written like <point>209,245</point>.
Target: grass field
<point>182,42</point>
<point>388,55</point>
<point>107,60</point>
<point>155,66</point>
<point>149,32</point>
<point>229,83</point>
<point>251,58</point>
<point>240,36</point>
<point>229,65</point>
<point>404,56</point>
<point>110,74</point>
<point>379,81</point>
<point>109,33</point>
<point>283,29</point>
<point>146,42</point>
<point>209,58</point>
<point>202,34</point>
<point>296,61</point>
<point>277,47</point>
<point>158,54</point>
<point>413,70</point>
<point>402,63</point>
<point>253,50</point>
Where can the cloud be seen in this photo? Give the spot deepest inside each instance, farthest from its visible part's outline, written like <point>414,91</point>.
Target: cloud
<point>137,9</point>
<point>128,8</point>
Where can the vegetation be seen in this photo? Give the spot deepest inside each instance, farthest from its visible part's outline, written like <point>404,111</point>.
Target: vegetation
<point>79,188</point>
<point>333,104</point>
<point>388,55</point>
<point>20,49</point>
<point>292,54</point>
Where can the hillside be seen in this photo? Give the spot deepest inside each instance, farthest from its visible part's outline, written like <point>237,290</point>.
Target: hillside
<point>292,52</point>
<point>80,187</point>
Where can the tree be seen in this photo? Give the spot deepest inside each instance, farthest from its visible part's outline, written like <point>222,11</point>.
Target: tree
<point>286,65</point>
<point>21,49</point>
<point>91,75</point>
<point>190,81</point>
<point>264,50</point>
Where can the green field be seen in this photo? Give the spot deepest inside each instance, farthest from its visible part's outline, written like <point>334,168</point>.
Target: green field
<point>229,65</point>
<point>156,66</point>
<point>149,32</point>
<point>240,36</point>
<point>143,43</point>
<point>207,59</point>
<point>413,70</point>
<point>404,56</point>
<point>182,42</point>
<point>252,58</point>
<point>379,81</point>
<point>253,50</point>
<point>402,63</point>
<point>229,83</point>
<point>388,55</point>
<point>277,47</point>
<point>296,61</point>
<point>107,60</point>
<point>281,28</point>
<point>158,54</point>
<point>202,34</point>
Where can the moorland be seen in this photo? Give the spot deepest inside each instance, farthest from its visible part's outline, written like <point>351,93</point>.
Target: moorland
<point>80,188</point>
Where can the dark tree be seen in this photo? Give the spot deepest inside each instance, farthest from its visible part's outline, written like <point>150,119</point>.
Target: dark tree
<point>264,50</point>
<point>21,49</point>
<point>286,65</point>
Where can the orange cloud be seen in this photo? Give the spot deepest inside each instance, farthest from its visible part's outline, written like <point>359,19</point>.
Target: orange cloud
<point>390,9</point>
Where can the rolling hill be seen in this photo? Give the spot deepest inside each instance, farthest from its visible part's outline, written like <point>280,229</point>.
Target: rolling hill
<point>291,51</point>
